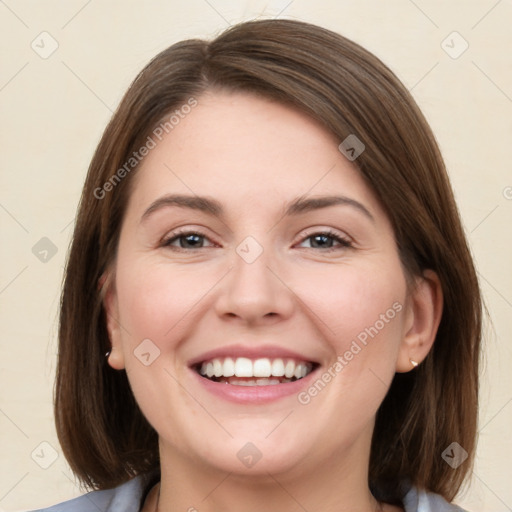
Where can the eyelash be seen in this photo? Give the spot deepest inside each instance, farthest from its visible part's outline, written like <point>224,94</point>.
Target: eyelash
<point>344,242</point>
<point>166,242</point>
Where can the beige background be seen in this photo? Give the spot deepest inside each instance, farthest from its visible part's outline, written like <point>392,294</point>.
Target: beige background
<point>54,110</point>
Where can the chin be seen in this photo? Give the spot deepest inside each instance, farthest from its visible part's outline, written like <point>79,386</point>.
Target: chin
<point>249,460</point>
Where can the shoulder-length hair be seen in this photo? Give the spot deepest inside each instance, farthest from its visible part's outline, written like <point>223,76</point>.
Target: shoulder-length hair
<point>103,433</point>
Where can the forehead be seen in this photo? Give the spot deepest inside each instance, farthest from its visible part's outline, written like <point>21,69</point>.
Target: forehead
<point>240,149</point>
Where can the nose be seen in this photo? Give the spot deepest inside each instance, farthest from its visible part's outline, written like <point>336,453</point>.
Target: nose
<point>254,293</point>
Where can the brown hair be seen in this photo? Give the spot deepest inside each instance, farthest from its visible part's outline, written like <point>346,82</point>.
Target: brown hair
<point>103,434</point>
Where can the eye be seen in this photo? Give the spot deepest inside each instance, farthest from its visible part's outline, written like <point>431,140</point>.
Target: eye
<point>325,240</point>
<point>187,240</point>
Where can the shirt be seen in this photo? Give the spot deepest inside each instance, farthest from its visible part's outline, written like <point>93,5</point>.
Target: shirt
<point>129,497</point>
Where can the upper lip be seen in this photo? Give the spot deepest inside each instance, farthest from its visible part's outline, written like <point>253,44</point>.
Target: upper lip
<point>261,351</point>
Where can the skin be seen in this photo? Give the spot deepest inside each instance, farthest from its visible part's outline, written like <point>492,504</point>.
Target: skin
<point>254,157</point>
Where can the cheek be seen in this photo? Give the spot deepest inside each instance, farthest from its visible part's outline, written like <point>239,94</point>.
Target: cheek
<point>155,299</point>
<point>360,312</point>
<point>362,320</point>
<point>156,305</point>
<point>359,316</point>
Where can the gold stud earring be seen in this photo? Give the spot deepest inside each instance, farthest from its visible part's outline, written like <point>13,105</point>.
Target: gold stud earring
<point>414,363</point>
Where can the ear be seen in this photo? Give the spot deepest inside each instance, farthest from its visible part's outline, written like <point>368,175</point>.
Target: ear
<point>423,315</point>
<point>108,292</point>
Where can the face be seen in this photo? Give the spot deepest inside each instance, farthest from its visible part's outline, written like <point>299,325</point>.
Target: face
<point>257,295</point>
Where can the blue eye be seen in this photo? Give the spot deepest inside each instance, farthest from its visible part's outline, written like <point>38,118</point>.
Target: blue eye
<point>326,240</point>
<point>190,240</point>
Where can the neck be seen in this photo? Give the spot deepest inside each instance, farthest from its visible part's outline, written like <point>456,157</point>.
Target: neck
<point>338,484</point>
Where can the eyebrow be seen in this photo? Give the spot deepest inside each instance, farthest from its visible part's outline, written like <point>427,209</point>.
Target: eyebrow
<point>304,204</point>
<point>213,207</point>
<point>202,204</point>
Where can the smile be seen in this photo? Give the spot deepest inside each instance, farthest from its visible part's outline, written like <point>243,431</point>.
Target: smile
<point>242,371</point>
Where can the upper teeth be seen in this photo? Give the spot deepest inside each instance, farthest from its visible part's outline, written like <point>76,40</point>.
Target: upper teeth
<point>244,367</point>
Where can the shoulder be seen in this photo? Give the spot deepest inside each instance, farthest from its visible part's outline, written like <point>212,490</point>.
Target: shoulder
<point>417,500</point>
<point>126,497</point>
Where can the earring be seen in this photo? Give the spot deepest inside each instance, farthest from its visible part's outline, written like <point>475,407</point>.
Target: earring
<point>414,363</point>
<point>108,353</point>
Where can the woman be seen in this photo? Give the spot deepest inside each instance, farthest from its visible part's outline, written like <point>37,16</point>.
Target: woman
<point>269,301</point>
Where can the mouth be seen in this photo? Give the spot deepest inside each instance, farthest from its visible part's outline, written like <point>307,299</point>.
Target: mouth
<point>243,371</point>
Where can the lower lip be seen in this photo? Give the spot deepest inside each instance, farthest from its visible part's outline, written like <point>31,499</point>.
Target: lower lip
<point>255,394</point>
